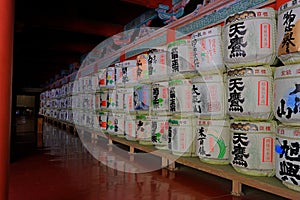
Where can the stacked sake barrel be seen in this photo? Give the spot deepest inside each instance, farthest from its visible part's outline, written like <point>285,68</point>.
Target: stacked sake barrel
<point>249,53</point>
<point>125,100</point>
<point>181,70</point>
<point>211,130</point>
<point>158,76</point>
<point>287,96</point>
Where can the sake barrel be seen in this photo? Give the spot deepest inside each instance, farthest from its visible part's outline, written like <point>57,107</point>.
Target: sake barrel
<point>104,98</point>
<point>129,73</point>
<point>119,124</point>
<point>130,131</point>
<point>119,74</point>
<point>180,97</point>
<point>287,158</point>
<point>249,38</point>
<point>142,98</point>
<point>252,147</point>
<point>160,98</point>
<point>287,94</point>
<point>250,93</point>
<point>97,101</point>
<point>159,131</point>
<point>111,99</point>
<point>212,138</point>
<point>208,50</point>
<point>103,121</point>
<point>94,82</point>
<point>119,100</point>
<point>110,77</point>
<point>142,68</point>
<point>110,126</point>
<point>95,121</point>
<point>157,64</point>
<point>128,102</point>
<point>209,96</point>
<point>288,29</point>
<point>143,129</point>
<point>180,59</point>
<point>102,78</point>
<point>182,136</point>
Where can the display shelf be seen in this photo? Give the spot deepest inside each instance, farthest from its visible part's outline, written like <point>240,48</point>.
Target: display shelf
<point>267,184</point>
<point>70,127</point>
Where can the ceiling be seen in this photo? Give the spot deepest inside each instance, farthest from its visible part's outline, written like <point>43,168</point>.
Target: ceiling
<point>49,35</point>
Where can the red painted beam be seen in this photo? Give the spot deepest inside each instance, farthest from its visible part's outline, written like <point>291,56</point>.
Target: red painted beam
<point>6,48</point>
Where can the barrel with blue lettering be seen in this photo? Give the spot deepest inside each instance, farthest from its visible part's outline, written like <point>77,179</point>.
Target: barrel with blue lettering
<point>287,158</point>
<point>287,94</point>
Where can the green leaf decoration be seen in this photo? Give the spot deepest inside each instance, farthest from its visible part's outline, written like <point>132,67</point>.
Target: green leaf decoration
<point>173,121</point>
<point>221,145</point>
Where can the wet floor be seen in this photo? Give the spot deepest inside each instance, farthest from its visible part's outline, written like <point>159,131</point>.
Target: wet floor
<point>63,168</point>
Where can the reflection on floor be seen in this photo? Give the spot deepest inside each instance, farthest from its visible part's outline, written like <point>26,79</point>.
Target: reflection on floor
<point>65,169</point>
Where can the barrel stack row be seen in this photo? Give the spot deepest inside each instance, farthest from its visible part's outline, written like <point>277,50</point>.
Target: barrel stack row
<point>226,94</point>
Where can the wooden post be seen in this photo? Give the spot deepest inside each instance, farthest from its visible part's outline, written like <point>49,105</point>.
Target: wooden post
<point>236,188</point>
<point>131,153</point>
<point>110,144</point>
<point>6,49</point>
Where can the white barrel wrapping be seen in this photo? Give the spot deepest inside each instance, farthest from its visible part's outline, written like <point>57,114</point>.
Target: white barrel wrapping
<point>212,138</point>
<point>287,94</point>
<point>208,50</point>
<point>252,147</point>
<point>250,93</point>
<point>287,157</point>
<point>249,38</point>
<point>209,96</point>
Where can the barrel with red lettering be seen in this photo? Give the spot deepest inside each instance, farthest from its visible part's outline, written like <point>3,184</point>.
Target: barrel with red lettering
<point>252,147</point>
<point>250,93</point>
<point>249,38</point>
<point>208,50</point>
<point>130,130</point>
